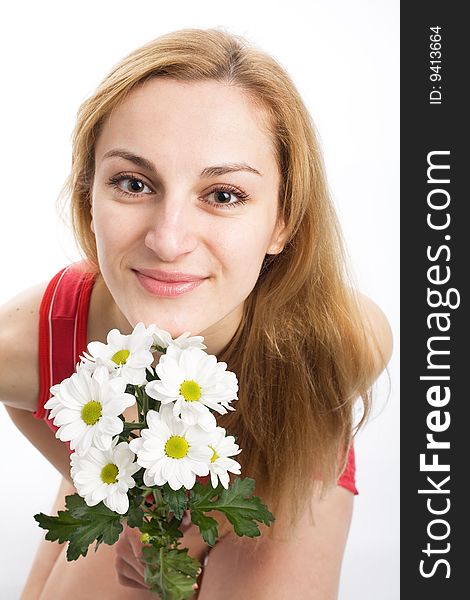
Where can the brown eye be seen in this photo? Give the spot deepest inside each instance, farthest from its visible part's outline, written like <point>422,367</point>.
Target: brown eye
<point>223,194</point>
<point>222,197</point>
<point>134,185</point>
<point>129,185</point>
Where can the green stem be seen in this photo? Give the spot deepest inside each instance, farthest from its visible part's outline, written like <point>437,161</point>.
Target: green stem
<point>161,568</point>
<point>128,427</point>
<point>145,403</point>
<point>157,497</point>
<point>138,396</point>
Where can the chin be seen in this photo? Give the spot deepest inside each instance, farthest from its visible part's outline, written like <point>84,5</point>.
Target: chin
<point>174,326</point>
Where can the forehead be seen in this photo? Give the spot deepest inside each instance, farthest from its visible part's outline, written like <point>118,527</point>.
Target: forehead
<point>201,119</point>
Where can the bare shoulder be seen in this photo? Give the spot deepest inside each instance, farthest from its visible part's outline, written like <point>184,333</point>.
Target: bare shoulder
<point>306,565</point>
<point>379,327</point>
<point>19,376</point>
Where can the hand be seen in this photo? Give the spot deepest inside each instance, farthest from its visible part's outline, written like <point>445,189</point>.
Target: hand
<point>128,562</point>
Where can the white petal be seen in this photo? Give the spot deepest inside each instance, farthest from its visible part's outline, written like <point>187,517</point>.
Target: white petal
<point>214,479</point>
<point>136,444</point>
<point>188,414</point>
<point>224,479</point>
<point>168,468</point>
<point>96,348</point>
<point>150,481</point>
<point>153,418</point>
<point>118,502</point>
<point>201,469</point>
<point>66,415</point>
<point>72,430</point>
<point>207,421</point>
<point>99,493</point>
<point>200,453</point>
<point>115,339</point>
<point>134,376</point>
<point>196,436</point>
<point>186,476</point>
<point>140,358</point>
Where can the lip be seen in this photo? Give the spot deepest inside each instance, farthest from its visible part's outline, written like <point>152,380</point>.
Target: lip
<point>164,288</point>
<point>169,276</point>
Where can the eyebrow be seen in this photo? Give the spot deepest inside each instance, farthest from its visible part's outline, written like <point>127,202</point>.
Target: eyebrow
<point>212,171</point>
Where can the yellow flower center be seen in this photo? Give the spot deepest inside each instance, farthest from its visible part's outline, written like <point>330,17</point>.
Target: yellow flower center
<point>176,447</point>
<point>120,357</point>
<point>91,412</point>
<point>190,390</point>
<point>109,473</point>
<point>215,456</point>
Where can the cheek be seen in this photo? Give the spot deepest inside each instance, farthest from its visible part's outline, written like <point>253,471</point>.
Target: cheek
<point>242,251</point>
<point>114,232</point>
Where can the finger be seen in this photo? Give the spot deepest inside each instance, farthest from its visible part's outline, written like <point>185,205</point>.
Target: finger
<point>186,520</point>
<point>127,575</point>
<point>129,548</point>
<point>131,583</point>
<point>134,561</point>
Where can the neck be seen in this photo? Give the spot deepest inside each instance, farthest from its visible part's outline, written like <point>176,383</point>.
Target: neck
<point>104,313</point>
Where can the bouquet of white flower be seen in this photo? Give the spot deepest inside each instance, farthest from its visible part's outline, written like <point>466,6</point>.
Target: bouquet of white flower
<point>149,481</point>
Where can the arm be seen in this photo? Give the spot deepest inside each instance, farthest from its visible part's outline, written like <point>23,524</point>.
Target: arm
<point>379,331</point>
<point>307,566</point>
<point>47,552</point>
<point>19,387</point>
<point>19,374</point>
<point>42,437</point>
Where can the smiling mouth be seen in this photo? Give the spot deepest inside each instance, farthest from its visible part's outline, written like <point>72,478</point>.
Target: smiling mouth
<point>167,289</point>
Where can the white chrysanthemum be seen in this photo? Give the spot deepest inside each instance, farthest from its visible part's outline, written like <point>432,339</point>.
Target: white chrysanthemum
<point>126,355</point>
<point>195,382</point>
<point>163,339</point>
<point>223,447</point>
<point>171,451</point>
<point>86,408</point>
<point>105,475</point>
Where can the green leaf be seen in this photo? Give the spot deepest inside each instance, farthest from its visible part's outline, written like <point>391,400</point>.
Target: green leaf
<point>177,500</point>
<point>59,528</point>
<point>163,532</point>
<point>242,509</point>
<point>135,514</point>
<point>207,526</point>
<point>76,505</point>
<point>170,572</point>
<point>81,525</point>
<point>237,503</point>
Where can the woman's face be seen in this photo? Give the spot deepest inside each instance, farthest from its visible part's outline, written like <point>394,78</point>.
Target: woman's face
<point>171,163</point>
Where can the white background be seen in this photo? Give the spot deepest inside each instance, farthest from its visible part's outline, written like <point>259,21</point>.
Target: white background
<point>344,58</point>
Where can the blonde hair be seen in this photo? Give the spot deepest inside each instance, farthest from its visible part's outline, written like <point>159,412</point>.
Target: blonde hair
<point>301,352</point>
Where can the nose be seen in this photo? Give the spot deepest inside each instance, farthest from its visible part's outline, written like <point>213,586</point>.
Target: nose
<point>172,229</point>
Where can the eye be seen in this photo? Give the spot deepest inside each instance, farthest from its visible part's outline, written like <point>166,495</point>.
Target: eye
<point>129,185</point>
<point>222,194</point>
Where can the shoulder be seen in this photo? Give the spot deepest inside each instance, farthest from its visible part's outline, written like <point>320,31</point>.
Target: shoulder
<point>379,330</point>
<point>19,320</point>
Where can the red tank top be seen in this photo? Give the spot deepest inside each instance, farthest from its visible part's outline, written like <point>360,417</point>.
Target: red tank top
<point>63,317</point>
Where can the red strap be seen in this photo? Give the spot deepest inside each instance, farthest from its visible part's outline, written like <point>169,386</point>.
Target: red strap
<point>63,316</point>
<point>348,478</point>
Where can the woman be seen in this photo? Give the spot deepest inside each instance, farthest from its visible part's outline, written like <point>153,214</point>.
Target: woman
<point>195,161</point>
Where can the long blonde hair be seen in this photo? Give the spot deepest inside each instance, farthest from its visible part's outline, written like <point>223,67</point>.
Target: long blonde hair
<point>301,353</point>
